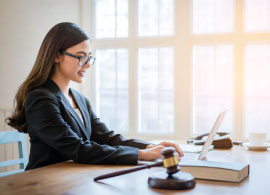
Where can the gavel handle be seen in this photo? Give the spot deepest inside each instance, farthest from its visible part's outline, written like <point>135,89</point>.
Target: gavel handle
<point>113,174</point>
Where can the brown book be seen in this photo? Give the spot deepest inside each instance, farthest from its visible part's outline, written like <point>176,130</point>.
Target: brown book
<point>210,170</point>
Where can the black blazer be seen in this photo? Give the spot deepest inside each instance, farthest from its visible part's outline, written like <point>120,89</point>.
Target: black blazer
<point>57,133</point>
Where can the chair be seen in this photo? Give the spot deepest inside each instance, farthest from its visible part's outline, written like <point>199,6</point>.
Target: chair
<point>10,137</point>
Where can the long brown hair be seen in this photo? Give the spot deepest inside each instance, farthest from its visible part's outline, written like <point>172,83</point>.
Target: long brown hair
<point>60,37</point>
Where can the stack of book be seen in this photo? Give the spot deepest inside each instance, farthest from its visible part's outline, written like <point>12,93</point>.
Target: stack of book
<point>210,170</point>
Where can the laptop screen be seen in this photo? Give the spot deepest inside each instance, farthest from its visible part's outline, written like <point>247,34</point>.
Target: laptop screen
<point>211,135</point>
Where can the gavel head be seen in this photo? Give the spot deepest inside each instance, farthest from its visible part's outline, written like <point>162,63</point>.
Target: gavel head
<point>170,160</point>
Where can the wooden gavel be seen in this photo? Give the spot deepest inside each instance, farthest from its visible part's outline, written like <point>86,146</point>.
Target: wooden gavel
<point>169,161</point>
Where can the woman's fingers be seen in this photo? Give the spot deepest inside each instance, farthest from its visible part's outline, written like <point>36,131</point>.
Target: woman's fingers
<point>151,153</point>
<point>154,151</point>
<point>175,146</point>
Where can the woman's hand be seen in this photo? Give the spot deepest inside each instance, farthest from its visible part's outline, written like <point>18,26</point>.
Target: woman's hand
<point>152,152</point>
<point>169,144</point>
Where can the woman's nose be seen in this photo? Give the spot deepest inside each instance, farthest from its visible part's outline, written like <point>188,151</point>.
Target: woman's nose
<point>87,65</point>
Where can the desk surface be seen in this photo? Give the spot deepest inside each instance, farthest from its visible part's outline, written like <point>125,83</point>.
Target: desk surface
<point>69,178</point>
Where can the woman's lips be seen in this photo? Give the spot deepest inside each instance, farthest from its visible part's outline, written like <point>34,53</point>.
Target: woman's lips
<point>81,73</point>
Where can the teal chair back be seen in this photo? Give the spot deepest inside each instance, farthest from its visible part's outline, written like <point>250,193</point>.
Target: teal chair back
<point>11,137</point>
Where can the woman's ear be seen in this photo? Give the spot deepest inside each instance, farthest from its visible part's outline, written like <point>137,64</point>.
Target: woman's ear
<point>57,58</point>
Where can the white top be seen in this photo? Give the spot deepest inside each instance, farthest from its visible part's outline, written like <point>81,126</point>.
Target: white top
<point>77,110</point>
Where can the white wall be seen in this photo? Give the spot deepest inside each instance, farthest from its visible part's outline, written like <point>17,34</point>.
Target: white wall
<point>23,25</point>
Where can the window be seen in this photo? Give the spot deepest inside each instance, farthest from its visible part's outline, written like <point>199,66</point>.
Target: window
<point>153,104</point>
<point>111,18</point>
<point>257,15</point>
<point>156,113</point>
<point>155,17</point>
<point>166,68</point>
<point>213,16</point>
<point>112,88</point>
<point>257,88</point>
<point>212,86</point>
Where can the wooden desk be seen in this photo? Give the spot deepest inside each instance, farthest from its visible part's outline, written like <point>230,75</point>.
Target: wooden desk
<point>69,178</point>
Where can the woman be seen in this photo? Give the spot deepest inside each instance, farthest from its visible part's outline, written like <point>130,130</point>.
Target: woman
<point>60,121</point>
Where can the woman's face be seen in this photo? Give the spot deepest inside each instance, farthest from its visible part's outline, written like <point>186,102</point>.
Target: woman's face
<point>67,67</point>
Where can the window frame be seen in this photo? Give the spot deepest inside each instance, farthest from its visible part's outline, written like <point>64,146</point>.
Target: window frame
<point>182,41</point>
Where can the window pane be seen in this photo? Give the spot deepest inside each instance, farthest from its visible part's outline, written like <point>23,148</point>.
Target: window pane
<point>122,18</point>
<point>257,88</point>
<point>155,17</point>
<point>112,88</point>
<point>166,17</point>
<point>212,86</point>
<point>156,97</point>
<point>111,18</point>
<point>148,69</point>
<point>257,15</point>
<point>107,69</point>
<point>213,16</point>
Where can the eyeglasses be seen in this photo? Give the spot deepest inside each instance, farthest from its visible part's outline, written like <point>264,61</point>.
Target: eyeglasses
<point>82,59</point>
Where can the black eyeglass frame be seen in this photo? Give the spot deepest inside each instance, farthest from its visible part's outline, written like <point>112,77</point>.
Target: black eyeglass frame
<point>80,57</point>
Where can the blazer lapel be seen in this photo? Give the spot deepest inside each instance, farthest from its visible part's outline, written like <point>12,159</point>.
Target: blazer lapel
<point>75,115</point>
<point>82,108</point>
<point>52,86</point>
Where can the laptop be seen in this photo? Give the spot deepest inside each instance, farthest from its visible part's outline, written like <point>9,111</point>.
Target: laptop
<point>194,156</point>
<point>209,140</point>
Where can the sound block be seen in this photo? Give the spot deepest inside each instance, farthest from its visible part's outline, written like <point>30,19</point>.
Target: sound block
<point>178,181</point>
